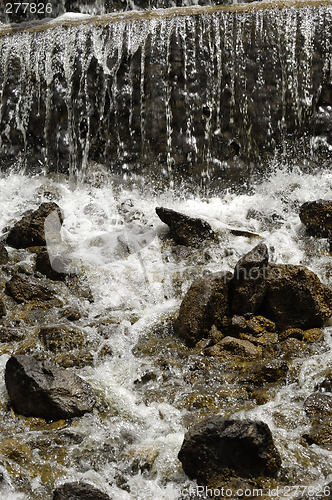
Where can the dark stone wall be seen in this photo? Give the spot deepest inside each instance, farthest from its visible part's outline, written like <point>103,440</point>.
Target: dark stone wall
<point>175,96</point>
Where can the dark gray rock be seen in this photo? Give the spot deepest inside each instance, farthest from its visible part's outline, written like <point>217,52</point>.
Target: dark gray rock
<point>24,289</point>
<point>185,230</point>
<point>4,257</point>
<point>2,308</point>
<point>30,231</point>
<point>218,448</point>
<point>56,269</point>
<point>296,298</point>
<point>79,491</point>
<point>205,303</point>
<point>42,389</point>
<point>249,281</point>
<point>317,217</point>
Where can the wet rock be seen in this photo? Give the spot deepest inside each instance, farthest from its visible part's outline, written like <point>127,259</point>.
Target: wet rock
<point>235,347</point>
<point>4,257</point>
<point>57,338</point>
<point>79,491</point>
<point>71,313</point>
<point>24,289</point>
<point>56,268</point>
<point>321,434</point>
<point>326,384</point>
<point>265,338</point>
<point>265,372</point>
<point>2,308</point>
<point>8,334</point>
<point>218,448</point>
<point>296,298</point>
<point>248,284</point>
<point>41,389</point>
<point>313,335</point>
<point>30,230</point>
<point>320,492</point>
<point>318,406</point>
<point>185,230</point>
<point>205,303</point>
<point>294,333</point>
<point>317,217</point>
<point>288,349</point>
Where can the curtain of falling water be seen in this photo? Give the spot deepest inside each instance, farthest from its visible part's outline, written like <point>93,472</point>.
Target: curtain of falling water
<point>176,94</point>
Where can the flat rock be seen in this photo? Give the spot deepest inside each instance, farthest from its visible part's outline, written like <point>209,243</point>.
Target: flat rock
<point>205,303</point>
<point>248,284</point>
<point>30,230</point>
<point>296,298</point>
<point>317,217</point>
<point>234,347</point>
<point>218,448</point>
<point>79,491</point>
<point>23,289</point>
<point>185,230</point>
<point>42,389</point>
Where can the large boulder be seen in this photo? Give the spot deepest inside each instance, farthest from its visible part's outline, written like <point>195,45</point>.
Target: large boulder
<point>296,298</point>
<point>30,230</point>
<point>79,491</point>
<point>248,285</point>
<point>23,289</point>
<point>42,389</point>
<point>217,448</point>
<point>205,303</point>
<point>317,217</point>
<point>185,230</point>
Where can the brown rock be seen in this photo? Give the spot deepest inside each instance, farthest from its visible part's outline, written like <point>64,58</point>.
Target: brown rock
<point>185,230</point>
<point>248,285</point>
<point>317,217</point>
<point>296,298</point>
<point>321,434</point>
<point>4,257</point>
<point>265,372</point>
<point>205,303</point>
<point>318,406</point>
<point>235,347</point>
<point>2,308</point>
<point>23,289</point>
<point>30,231</point>
<point>294,333</point>
<point>313,335</point>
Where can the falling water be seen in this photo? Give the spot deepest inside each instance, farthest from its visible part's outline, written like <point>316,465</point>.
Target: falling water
<point>185,93</point>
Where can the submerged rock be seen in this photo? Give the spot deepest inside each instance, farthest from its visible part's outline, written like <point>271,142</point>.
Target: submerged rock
<point>42,389</point>
<point>296,298</point>
<point>185,230</point>
<point>23,289</point>
<point>79,491</point>
<point>30,230</point>
<point>321,434</point>
<point>216,449</point>
<point>248,284</point>
<point>317,217</point>
<point>4,257</point>
<point>205,303</point>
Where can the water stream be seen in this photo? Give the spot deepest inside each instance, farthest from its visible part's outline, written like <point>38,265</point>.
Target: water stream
<point>223,116</point>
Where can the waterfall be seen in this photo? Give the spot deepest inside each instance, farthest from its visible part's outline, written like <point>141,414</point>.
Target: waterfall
<point>172,94</point>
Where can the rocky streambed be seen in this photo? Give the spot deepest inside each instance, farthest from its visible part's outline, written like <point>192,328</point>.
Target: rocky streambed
<point>165,346</point>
